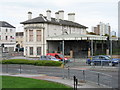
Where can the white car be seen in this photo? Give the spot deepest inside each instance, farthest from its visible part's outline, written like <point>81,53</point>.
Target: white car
<point>49,58</point>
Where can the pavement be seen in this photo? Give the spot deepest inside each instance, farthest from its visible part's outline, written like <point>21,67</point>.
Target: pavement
<point>69,82</point>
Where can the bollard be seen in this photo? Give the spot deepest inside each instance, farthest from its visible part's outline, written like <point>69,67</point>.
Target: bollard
<point>98,79</point>
<point>84,75</point>
<point>68,72</point>
<point>74,81</point>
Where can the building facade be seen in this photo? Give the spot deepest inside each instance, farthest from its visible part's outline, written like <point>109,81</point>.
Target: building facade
<point>7,36</point>
<point>102,29</point>
<point>19,40</point>
<point>37,30</point>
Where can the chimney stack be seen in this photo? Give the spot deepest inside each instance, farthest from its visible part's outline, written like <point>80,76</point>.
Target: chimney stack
<point>71,17</point>
<point>29,15</point>
<point>40,15</point>
<point>48,15</point>
<point>57,16</point>
<point>61,14</point>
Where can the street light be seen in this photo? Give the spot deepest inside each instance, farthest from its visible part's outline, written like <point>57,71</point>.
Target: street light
<point>63,55</point>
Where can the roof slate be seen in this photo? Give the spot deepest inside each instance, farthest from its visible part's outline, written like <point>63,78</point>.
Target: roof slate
<point>43,19</point>
<point>5,24</point>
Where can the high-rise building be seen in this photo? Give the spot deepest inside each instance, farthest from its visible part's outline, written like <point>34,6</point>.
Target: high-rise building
<point>113,33</point>
<point>119,19</point>
<point>102,29</point>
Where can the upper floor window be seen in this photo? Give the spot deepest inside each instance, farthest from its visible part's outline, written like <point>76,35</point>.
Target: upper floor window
<point>6,30</point>
<point>38,35</point>
<point>6,37</point>
<point>10,30</point>
<point>30,35</point>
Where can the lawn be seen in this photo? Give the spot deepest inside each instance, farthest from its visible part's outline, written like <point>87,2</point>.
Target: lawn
<point>20,82</point>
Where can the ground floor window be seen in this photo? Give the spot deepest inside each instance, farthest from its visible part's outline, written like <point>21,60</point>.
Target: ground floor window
<point>31,50</point>
<point>38,50</point>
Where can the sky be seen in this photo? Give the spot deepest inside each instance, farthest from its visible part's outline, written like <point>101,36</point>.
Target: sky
<point>87,12</point>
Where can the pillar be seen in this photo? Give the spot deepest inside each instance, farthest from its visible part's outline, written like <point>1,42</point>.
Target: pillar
<point>107,52</point>
<point>71,53</point>
<point>88,52</point>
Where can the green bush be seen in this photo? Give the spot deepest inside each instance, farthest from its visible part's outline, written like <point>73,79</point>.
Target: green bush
<point>32,62</point>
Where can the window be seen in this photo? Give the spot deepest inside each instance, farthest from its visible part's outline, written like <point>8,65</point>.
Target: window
<point>30,35</point>
<point>31,50</point>
<point>6,30</point>
<point>38,50</point>
<point>11,37</point>
<point>10,30</point>
<point>38,35</point>
<point>6,37</point>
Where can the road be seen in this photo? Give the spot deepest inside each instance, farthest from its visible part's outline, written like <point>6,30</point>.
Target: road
<point>89,75</point>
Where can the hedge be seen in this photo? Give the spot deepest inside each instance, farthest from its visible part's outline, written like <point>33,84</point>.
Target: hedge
<point>32,62</point>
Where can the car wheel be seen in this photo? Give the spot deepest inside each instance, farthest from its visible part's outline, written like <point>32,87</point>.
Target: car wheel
<point>110,64</point>
<point>92,64</point>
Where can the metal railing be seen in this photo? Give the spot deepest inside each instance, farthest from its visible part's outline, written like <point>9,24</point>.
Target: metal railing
<point>82,75</point>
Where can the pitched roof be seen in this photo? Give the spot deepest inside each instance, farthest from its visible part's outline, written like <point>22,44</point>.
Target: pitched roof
<point>77,37</point>
<point>43,19</point>
<point>5,24</point>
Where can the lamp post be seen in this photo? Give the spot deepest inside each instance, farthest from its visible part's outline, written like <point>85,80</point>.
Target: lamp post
<point>63,55</point>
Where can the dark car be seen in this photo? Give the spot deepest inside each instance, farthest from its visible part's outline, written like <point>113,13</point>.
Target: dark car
<point>102,60</point>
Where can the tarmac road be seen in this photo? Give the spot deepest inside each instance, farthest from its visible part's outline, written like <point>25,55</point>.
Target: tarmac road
<point>108,78</point>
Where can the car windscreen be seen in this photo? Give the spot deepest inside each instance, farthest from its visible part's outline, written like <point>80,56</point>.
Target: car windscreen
<point>95,57</point>
<point>60,55</point>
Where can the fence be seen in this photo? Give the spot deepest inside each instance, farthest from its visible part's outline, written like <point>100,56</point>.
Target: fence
<point>82,75</point>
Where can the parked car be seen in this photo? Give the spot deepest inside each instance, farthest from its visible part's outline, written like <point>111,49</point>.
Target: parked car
<point>102,60</point>
<point>48,58</point>
<point>59,56</point>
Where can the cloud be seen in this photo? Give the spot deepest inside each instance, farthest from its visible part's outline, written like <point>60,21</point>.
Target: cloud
<point>88,12</point>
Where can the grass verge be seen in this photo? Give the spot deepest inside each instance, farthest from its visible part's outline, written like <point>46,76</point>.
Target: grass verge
<point>20,82</point>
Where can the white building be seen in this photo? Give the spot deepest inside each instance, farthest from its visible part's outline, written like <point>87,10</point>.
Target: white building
<point>44,34</point>
<point>102,29</point>
<point>7,36</point>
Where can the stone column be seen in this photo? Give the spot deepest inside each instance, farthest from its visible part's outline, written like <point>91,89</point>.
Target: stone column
<point>34,36</point>
<point>107,52</point>
<point>71,53</point>
<point>88,52</point>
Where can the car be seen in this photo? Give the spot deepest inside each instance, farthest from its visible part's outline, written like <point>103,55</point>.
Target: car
<point>48,58</point>
<point>102,60</point>
<point>59,56</point>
